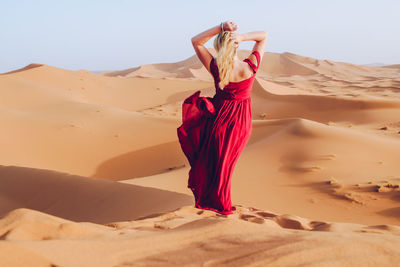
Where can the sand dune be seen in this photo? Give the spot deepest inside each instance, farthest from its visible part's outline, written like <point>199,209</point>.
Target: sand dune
<point>395,66</point>
<point>63,119</point>
<point>44,85</point>
<point>212,239</point>
<point>181,69</point>
<point>80,198</point>
<point>292,160</point>
<point>91,167</point>
<point>307,75</point>
<point>28,224</point>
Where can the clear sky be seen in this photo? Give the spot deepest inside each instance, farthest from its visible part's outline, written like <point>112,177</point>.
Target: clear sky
<point>119,34</point>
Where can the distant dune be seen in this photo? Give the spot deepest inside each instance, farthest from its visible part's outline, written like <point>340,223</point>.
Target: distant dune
<point>396,66</point>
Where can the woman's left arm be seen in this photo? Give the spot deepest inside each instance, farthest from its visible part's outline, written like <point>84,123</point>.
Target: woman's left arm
<point>199,40</point>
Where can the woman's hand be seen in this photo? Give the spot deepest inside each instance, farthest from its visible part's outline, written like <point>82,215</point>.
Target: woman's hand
<point>237,38</point>
<point>229,26</point>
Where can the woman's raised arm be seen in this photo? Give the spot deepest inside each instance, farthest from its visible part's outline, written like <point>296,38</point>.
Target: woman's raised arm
<point>261,41</point>
<point>200,39</point>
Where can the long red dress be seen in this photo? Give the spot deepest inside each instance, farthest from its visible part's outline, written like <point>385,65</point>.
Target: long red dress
<point>213,134</point>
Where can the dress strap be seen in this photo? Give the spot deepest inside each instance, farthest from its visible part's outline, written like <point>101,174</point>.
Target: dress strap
<point>252,65</point>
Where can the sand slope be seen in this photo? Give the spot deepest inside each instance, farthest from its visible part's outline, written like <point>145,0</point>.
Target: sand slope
<point>71,113</point>
<point>80,198</point>
<point>92,174</point>
<point>212,239</point>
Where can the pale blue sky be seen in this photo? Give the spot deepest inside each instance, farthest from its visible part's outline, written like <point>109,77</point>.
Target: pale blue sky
<point>120,34</point>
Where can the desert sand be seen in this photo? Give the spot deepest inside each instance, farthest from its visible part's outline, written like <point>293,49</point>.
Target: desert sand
<point>92,173</point>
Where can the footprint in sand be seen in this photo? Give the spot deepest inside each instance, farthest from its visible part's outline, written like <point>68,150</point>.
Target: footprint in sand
<point>316,224</point>
<point>292,222</point>
<point>319,226</point>
<point>252,209</point>
<point>263,115</point>
<point>251,218</point>
<point>265,214</point>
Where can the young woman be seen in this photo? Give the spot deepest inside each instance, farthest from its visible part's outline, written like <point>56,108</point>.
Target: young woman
<point>215,130</point>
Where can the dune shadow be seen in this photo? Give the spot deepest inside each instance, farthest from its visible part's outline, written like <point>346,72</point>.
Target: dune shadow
<point>82,199</point>
<point>143,162</point>
<point>30,66</point>
<point>392,212</point>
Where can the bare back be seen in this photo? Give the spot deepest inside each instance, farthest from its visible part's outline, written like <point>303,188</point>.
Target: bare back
<point>242,70</point>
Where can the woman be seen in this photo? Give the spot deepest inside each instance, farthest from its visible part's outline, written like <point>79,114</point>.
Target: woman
<point>215,130</point>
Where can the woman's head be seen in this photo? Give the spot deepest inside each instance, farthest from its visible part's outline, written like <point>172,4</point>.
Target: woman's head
<point>226,51</point>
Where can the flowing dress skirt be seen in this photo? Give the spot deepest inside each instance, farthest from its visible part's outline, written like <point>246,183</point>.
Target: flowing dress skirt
<point>213,134</point>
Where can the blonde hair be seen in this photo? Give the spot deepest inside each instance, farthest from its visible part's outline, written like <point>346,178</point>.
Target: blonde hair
<point>226,51</point>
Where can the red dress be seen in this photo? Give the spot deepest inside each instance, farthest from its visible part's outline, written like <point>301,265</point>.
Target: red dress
<point>213,134</point>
